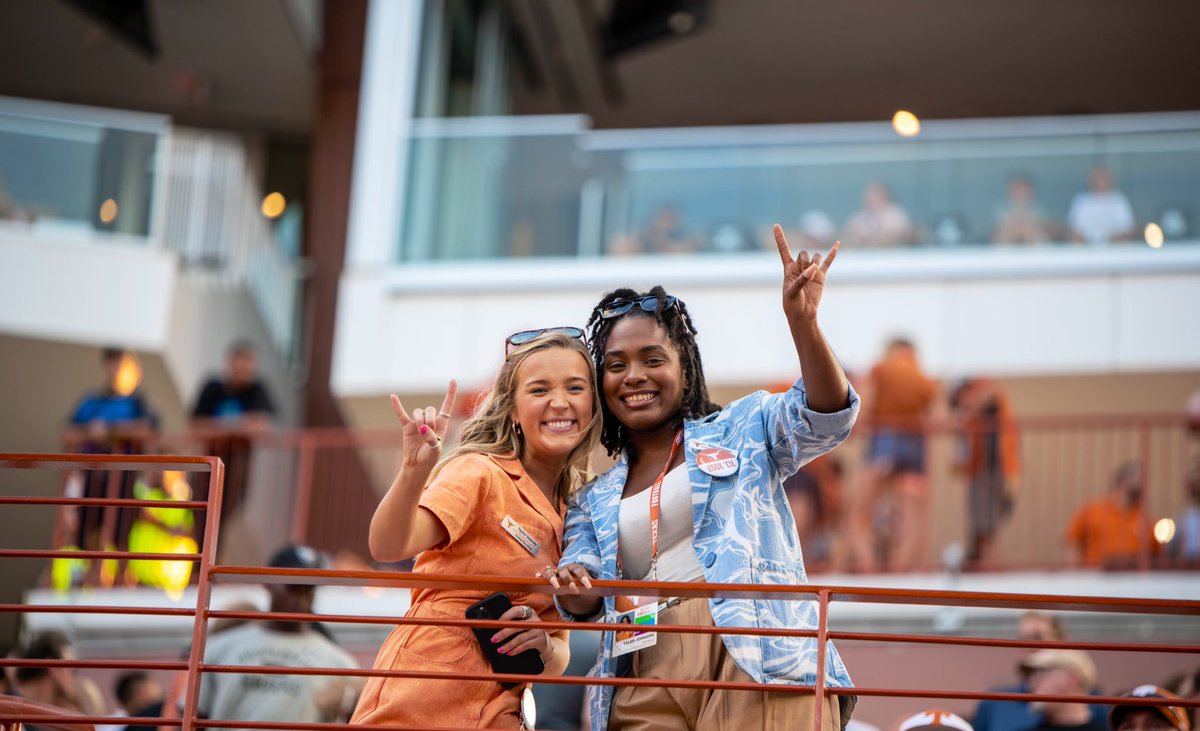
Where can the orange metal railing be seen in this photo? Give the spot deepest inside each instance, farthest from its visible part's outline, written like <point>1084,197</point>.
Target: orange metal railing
<point>211,573</point>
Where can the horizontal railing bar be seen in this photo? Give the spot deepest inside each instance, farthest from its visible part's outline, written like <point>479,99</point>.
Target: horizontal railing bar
<point>1022,644</point>
<point>115,555</point>
<point>601,587</point>
<point>688,629</point>
<point>115,502</point>
<point>500,624</point>
<point>25,461</point>
<point>111,609</point>
<point>672,683</point>
<point>94,720</point>
<point>43,662</point>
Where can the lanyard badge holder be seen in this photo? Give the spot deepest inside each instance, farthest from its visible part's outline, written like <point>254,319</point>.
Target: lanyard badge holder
<point>636,611</point>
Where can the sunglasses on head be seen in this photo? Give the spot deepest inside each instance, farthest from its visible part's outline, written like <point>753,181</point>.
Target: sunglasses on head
<point>516,340</point>
<point>648,303</point>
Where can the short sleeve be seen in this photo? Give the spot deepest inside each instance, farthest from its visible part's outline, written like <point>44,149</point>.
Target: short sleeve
<point>459,489</point>
<point>206,403</point>
<point>260,400</point>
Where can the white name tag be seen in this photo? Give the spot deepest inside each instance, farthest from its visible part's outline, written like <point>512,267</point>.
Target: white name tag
<point>528,542</point>
<point>628,639</point>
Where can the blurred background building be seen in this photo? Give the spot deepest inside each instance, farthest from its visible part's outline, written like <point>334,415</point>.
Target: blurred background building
<point>374,193</point>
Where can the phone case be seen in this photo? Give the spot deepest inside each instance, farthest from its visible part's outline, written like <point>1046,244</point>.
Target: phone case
<point>527,663</point>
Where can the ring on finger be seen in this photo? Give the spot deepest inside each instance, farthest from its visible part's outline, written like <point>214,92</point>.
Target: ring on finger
<point>526,612</point>
<point>443,414</point>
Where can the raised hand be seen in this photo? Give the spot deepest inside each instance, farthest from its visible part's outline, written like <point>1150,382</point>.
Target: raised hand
<point>803,278</point>
<point>424,429</point>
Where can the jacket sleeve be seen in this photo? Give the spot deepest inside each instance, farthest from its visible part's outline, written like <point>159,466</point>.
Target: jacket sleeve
<point>796,435</point>
<point>579,541</point>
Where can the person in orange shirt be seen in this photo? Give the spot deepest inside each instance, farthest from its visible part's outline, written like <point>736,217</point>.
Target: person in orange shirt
<point>897,400</point>
<point>1114,531</point>
<point>493,506</point>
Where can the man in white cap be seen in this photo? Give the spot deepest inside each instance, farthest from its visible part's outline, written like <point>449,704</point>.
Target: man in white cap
<point>1149,718</point>
<point>1062,672</point>
<point>935,719</point>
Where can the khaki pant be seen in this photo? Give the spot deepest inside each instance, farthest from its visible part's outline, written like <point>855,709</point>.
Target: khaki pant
<point>679,656</point>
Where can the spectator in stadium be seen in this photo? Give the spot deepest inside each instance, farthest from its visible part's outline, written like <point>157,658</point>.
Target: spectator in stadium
<point>1185,685</point>
<point>1017,715</point>
<point>1101,214</point>
<point>900,400</point>
<point>990,460</point>
<point>493,506</point>
<point>279,698</point>
<point>140,696</point>
<point>1113,531</point>
<point>881,223</point>
<point>1021,221</point>
<point>1062,672</point>
<point>664,233</point>
<point>229,409</point>
<point>1185,544</point>
<point>724,515</point>
<point>1149,718</point>
<point>57,686</point>
<point>935,719</point>
<point>113,419</point>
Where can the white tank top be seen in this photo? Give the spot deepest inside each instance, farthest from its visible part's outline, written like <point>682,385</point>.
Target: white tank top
<point>676,558</point>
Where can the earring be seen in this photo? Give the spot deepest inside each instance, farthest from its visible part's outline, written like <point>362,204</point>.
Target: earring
<point>516,428</point>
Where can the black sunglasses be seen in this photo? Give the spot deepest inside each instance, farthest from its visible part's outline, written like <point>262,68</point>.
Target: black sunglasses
<point>649,303</point>
<point>518,339</point>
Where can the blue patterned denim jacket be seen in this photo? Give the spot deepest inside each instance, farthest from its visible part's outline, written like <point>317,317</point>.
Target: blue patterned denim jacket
<point>744,532</point>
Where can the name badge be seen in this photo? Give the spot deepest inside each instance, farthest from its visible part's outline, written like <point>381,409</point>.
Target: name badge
<point>631,614</point>
<point>716,462</point>
<point>528,542</point>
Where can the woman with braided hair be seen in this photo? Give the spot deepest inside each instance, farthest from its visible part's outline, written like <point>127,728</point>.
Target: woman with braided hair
<point>696,495</point>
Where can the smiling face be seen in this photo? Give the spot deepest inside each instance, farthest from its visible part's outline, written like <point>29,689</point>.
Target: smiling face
<point>643,375</point>
<point>553,402</point>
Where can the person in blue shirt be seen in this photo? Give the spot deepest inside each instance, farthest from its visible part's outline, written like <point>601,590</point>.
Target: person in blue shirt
<point>113,419</point>
<point>716,475</point>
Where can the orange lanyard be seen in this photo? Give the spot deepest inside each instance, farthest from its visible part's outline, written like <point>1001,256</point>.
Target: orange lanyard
<point>655,500</point>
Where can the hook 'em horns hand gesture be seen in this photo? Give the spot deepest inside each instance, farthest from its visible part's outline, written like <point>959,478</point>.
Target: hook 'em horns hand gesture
<point>424,430</point>
<point>803,278</point>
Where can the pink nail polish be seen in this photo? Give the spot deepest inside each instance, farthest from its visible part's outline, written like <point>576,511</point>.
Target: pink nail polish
<point>502,651</point>
<point>424,429</point>
<point>494,640</point>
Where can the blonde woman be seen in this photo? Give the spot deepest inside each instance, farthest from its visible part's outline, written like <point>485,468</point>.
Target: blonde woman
<point>494,506</point>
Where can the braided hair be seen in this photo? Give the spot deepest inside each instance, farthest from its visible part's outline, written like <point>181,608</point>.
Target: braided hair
<point>678,325</point>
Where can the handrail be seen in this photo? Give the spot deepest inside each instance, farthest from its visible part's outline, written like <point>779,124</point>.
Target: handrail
<point>211,573</point>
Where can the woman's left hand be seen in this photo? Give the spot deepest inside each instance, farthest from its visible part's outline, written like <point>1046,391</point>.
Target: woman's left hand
<point>803,278</point>
<point>514,640</point>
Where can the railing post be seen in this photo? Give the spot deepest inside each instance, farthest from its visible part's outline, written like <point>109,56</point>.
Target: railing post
<point>304,488</point>
<point>1145,449</point>
<point>208,552</point>
<point>822,640</point>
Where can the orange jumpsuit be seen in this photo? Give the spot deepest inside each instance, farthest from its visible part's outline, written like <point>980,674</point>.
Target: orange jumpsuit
<point>471,496</point>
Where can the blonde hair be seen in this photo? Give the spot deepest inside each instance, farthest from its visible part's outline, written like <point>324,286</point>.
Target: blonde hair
<point>492,430</point>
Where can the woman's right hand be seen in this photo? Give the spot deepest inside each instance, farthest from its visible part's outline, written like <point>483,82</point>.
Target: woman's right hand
<point>571,576</point>
<point>424,430</point>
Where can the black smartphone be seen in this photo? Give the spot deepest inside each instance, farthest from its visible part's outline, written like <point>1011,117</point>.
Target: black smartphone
<point>527,663</point>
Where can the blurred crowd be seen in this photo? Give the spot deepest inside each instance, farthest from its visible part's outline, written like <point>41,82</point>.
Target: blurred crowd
<point>880,518</point>
<point>1099,215</point>
<point>117,418</point>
